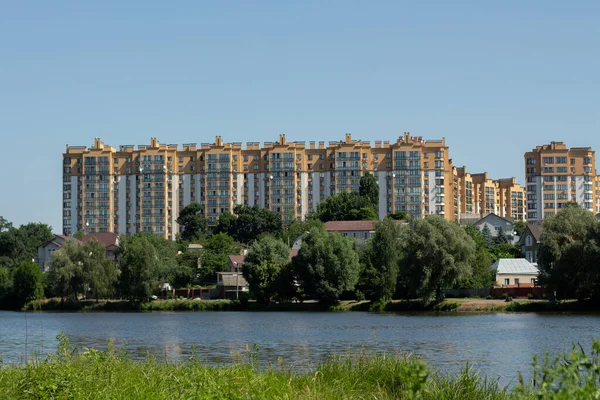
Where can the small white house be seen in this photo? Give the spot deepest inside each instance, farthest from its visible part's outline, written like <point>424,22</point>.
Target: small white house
<point>515,272</point>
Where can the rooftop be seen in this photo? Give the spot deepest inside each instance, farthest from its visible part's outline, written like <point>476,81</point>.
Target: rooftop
<point>515,266</point>
<point>106,238</point>
<point>352,226</point>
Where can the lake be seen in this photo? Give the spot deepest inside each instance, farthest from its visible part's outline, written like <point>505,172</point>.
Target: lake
<point>499,344</point>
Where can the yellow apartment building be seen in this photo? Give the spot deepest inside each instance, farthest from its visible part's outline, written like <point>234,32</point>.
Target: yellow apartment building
<point>480,195</point>
<point>556,175</point>
<point>142,188</point>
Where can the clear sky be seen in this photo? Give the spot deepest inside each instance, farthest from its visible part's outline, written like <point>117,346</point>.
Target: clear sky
<point>495,79</point>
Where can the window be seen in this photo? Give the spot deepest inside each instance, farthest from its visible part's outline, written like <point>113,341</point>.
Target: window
<point>531,161</point>
<point>507,281</point>
<point>516,281</point>
<point>528,240</point>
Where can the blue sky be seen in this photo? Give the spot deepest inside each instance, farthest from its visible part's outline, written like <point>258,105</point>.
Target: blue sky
<point>495,79</point>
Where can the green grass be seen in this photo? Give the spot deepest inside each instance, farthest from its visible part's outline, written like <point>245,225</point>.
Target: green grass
<point>94,374</point>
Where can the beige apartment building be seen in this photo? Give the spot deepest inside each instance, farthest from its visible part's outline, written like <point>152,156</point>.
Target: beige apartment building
<point>479,195</point>
<point>556,175</point>
<point>142,188</point>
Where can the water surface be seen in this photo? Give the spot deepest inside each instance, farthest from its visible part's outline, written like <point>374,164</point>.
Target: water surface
<point>500,344</point>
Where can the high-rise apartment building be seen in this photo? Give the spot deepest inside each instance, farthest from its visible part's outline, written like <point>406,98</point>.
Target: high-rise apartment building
<point>480,195</point>
<point>557,175</point>
<point>133,189</point>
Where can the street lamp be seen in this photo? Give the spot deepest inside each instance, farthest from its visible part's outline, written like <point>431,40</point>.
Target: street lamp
<point>237,280</point>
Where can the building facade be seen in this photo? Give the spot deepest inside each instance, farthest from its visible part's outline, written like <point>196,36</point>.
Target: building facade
<point>556,175</point>
<point>142,188</point>
<point>479,195</point>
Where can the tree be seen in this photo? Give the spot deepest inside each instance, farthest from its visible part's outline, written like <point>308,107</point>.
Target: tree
<point>28,283</point>
<point>5,225</point>
<point>266,259</point>
<point>193,221</point>
<point>566,253</point>
<point>249,222</point>
<point>519,227</point>
<point>214,257</point>
<point>345,206</point>
<point>6,286</point>
<point>100,272</point>
<point>501,237</point>
<point>383,253</point>
<point>398,215</point>
<point>297,228</point>
<point>487,236</point>
<point>369,189</point>
<point>140,268</point>
<point>20,244</point>
<point>79,267</point>
<point>79,235</point>
<point>326,265</point>
<point>504,250</point>
<point>437,255</point>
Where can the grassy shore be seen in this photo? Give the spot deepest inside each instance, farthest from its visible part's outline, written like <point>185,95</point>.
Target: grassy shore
<point>449,305</point>
<point>94,374</point>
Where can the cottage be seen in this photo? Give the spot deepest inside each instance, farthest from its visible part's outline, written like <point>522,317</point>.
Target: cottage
<point>361,230</point>
<point>108,239</point>
<point>231,284</point>
<point>515,272</point>
<point>530,242</point>
<point>46,250</point>
<point>495,222</point>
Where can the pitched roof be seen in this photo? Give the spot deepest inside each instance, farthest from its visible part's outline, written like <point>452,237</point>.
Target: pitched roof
<point>232,279</point>
<point>236,259</point>
<point>348,226</point>
<point>106,238</point>
<point>56,242</point>
<point>534,230</point>
<point>515,266</point>
<point>507,219</point>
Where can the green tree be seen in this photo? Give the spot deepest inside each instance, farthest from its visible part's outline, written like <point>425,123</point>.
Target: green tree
<point>380,264</point>
<point>28,283</point>
<point>326,265</point>
<point>6,286</point>
<point>369,189</point>
<point>141,268</point>
<point>519,227</point>
<point>66,273</point>
<point>79,267</point>
<point>79,235</point>
<point>215,255</point>
<point>566,253</point>
<point>437,255</point>
<point>398,215</point>
<point>20,244</point>
<point>504,250</point>
<point>249,222</point>
<point>297,228</point>
<point>193,221</point>
<point>501,237</point>
<point>487,236</point>
<point>263,266</point>
<point>477,236</point>
<point>345,206</point>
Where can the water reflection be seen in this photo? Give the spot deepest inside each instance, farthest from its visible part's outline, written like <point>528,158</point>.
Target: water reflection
<point>500,345</point>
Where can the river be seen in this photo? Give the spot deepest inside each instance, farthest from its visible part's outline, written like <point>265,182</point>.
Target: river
<point>499,344</point>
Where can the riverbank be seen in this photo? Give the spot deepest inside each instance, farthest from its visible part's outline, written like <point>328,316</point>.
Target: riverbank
<point>94,374</point>
<point>468,305</point>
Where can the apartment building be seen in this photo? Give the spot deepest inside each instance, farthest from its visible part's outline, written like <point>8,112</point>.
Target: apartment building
<point>142,188</point>
<point>556,175</point>
<point>480,195</point>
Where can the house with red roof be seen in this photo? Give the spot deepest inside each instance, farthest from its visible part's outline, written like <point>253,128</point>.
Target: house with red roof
<point>110,241</point>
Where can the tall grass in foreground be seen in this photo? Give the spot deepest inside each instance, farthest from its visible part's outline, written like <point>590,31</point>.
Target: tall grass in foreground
<point>110,375</point>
